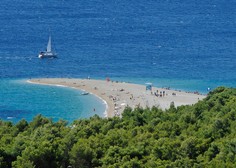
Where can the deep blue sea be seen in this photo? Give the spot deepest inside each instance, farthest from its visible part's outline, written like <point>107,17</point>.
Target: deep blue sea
<point>182,44</point>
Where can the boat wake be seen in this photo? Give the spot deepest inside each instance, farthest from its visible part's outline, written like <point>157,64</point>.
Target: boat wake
<point>17,57</point>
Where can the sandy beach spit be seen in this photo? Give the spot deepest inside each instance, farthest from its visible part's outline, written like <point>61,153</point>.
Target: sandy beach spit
<point>118,95</point>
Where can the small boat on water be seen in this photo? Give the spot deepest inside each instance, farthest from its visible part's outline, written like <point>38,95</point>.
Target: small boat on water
<point>85,93</point>
<point>48,53</point>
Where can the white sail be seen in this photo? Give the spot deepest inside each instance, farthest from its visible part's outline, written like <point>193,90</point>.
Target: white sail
<point>49,46</point>
<point>48,53</point>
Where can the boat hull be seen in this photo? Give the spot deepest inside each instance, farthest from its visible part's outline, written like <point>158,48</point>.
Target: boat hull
<point>45,55</point>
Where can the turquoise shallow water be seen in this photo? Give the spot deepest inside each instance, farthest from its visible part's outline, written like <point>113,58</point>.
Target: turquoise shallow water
<point>19,99</point>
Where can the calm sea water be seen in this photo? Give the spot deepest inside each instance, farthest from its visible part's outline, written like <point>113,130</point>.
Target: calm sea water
<point>20,99</point>
<point>188,45</point>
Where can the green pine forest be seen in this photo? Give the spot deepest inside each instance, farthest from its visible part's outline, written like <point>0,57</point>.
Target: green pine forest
<point>201,135</point>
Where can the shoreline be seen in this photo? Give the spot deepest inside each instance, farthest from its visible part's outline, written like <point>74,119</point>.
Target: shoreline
<point>117,95</point>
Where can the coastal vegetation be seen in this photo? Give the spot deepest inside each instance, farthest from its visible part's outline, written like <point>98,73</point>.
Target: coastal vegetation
<point>200,135</point>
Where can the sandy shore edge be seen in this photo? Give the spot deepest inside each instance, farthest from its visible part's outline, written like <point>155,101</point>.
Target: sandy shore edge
<point>117,95</point>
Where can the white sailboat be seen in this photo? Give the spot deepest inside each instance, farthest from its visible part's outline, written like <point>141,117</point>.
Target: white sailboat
<point>48,53</point>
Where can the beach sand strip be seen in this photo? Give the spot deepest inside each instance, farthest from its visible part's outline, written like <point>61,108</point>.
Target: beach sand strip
<point>118,95</point>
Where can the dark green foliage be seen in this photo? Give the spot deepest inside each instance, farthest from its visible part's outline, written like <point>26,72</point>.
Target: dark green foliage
<point>202,135</point>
